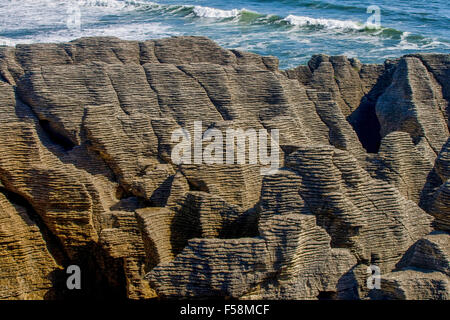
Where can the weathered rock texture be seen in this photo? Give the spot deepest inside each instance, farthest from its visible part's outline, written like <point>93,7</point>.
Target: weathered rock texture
<point>86,175</point>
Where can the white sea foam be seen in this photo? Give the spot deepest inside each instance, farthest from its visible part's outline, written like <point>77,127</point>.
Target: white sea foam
<point>326,23</point>
<point>7,42</point>
<point>135,31</point>
<point>207,12</point>
<point>114,4</point>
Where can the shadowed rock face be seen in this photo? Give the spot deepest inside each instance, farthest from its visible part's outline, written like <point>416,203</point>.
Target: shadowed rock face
<point>86,175</point>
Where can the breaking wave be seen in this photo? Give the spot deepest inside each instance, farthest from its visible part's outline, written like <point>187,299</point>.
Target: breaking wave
<point>247,16</point>
<point>325,23</point>
<point>289,29</point>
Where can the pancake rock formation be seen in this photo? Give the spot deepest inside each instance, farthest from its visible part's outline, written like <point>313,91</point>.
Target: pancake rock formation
<point>87,177</point>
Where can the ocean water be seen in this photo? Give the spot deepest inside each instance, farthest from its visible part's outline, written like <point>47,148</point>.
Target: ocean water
<point>291,30</point>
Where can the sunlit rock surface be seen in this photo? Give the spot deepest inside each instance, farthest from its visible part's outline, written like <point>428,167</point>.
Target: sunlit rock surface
<point>87,178</point>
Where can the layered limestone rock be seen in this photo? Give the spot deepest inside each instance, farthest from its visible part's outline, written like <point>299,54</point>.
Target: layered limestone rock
<point>26,259</point>
<point>402,164</point>
<point>439,203</point>
<point>423,272</point>
<point>87,175</point>
<point>422,111</point>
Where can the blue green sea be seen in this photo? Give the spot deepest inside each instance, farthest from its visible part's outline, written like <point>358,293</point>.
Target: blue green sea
<point>291,30</point>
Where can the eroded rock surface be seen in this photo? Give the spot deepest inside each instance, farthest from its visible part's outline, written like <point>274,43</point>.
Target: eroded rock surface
<point>87,178</point>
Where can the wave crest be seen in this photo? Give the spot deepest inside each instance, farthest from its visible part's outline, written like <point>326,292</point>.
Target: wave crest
<point>326,23</point>
<point>207,12</point>
<point>245,16</point>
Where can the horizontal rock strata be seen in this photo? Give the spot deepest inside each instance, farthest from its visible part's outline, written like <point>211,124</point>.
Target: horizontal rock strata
<point>87,177</point>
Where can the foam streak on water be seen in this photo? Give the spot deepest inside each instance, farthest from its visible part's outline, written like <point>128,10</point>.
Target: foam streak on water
<point>293,30</point>
<point>326,23</point>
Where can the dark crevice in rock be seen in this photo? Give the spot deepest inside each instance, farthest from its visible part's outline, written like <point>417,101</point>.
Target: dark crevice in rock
<point>364,119</point>
<point>85,138</point>
<point>365,122</point>
<point>51,134</point>
<point>160,196</point>
<point>141,53</point>
<point>246,225</point>
<point>157,52</point>
<point>237,53</point>
<point>56,137</point>
<point>119,102</point>
<point>197,185</point>
<point>327,295</point>
<point>192,220</point>
<point>121,193</point>
<point>117,56</point>
<point>427,194</point>
<point>313,98</point>
<point>101,276</point>
<point>347,286</point>
<point>69,53</point>
<point>3,79</point>
<point>152,87</point>
<point>185,226</point>
<point>129,204</point>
